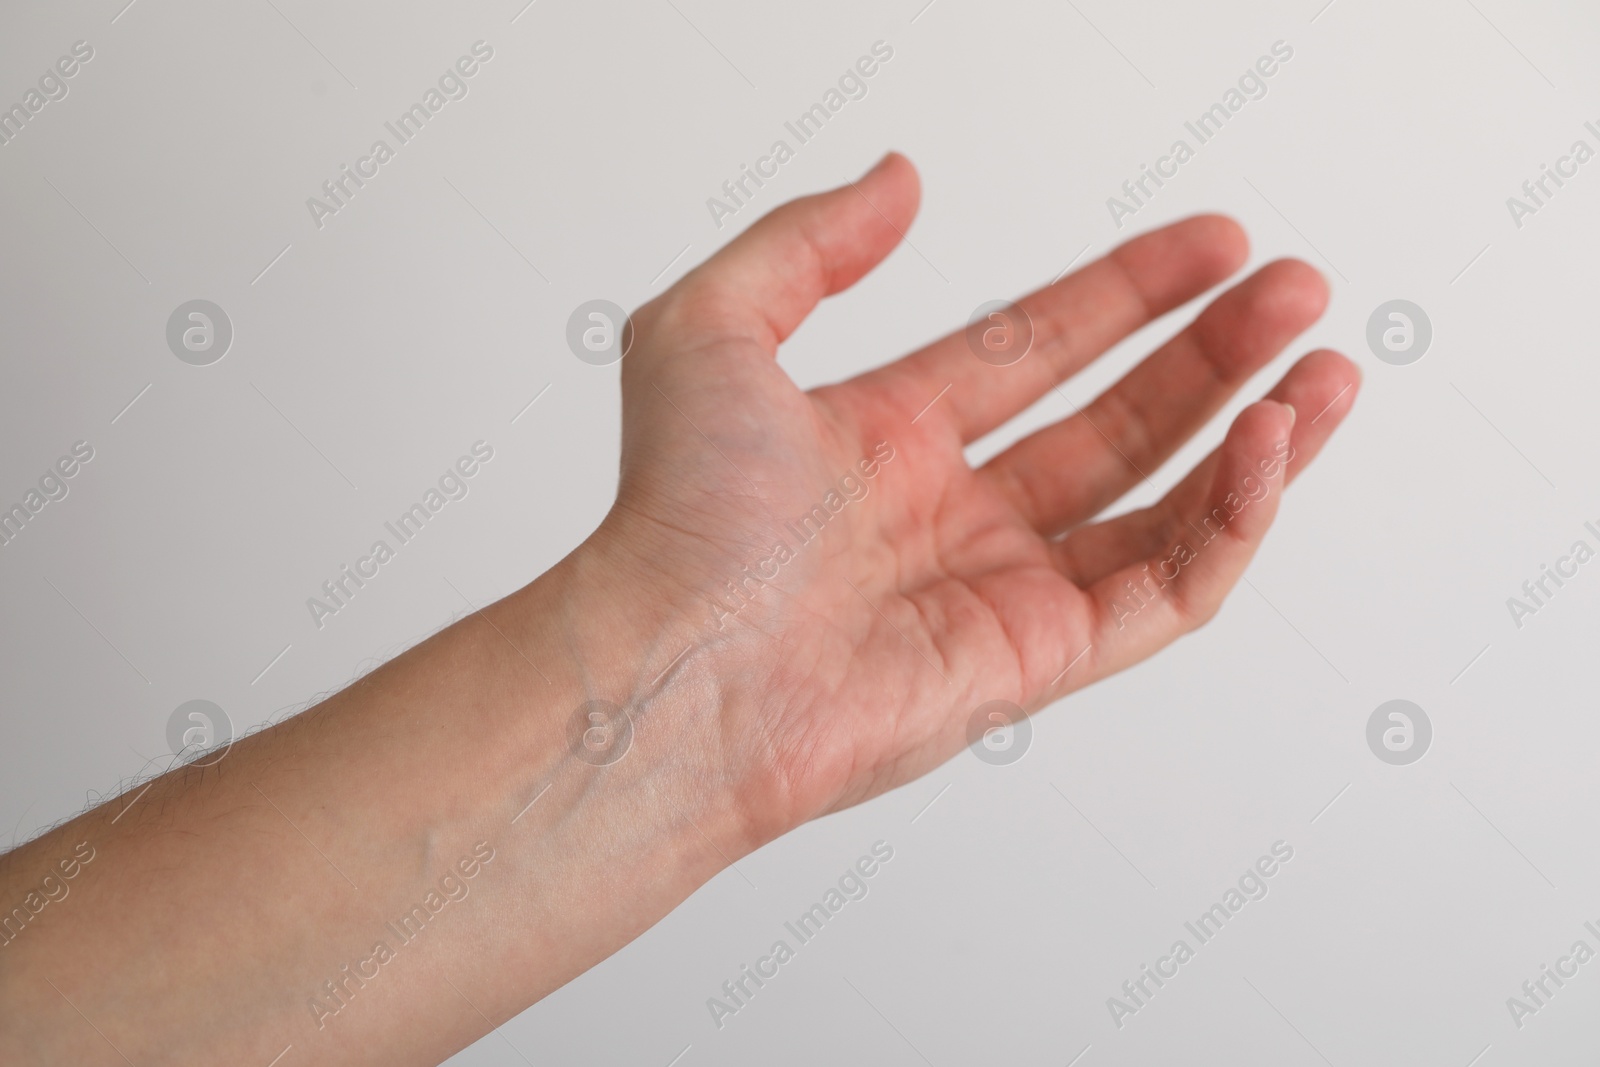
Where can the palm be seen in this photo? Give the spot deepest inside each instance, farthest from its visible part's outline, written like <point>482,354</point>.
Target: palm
<point>888,617</point>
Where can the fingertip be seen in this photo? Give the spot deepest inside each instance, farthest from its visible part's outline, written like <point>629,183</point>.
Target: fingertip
<point>1331,381</point>
<point>896,159</point>
<point>1335,365</point>
<point>1224,234</point>
<point>1262,427</point>
<point>894,178</point>
<point>1179,261</point>
<point>1297,287</point>
<point>1216,241</point>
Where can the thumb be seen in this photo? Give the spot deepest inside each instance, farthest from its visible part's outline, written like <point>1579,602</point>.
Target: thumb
<point>763,284</point>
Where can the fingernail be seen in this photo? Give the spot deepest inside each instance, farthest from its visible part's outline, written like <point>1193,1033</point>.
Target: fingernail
<point>1291,413</point>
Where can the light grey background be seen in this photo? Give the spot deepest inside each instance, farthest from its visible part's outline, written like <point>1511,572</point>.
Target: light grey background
<point>428,314</point>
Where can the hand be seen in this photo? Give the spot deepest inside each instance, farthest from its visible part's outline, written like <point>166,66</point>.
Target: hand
<point>851,662</point>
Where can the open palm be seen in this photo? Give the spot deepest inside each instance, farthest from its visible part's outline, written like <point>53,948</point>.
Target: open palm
<point>864,588</point>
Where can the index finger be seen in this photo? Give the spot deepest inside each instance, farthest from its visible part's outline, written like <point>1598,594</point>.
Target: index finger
<point>1073,321</point>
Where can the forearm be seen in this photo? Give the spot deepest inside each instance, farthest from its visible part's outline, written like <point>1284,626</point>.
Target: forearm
<point>282,896</point>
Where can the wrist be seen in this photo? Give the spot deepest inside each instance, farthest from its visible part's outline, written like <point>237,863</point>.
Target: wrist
<point>635,710</point>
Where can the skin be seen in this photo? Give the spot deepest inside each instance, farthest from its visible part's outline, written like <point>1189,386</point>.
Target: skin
<point>220,901</point>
